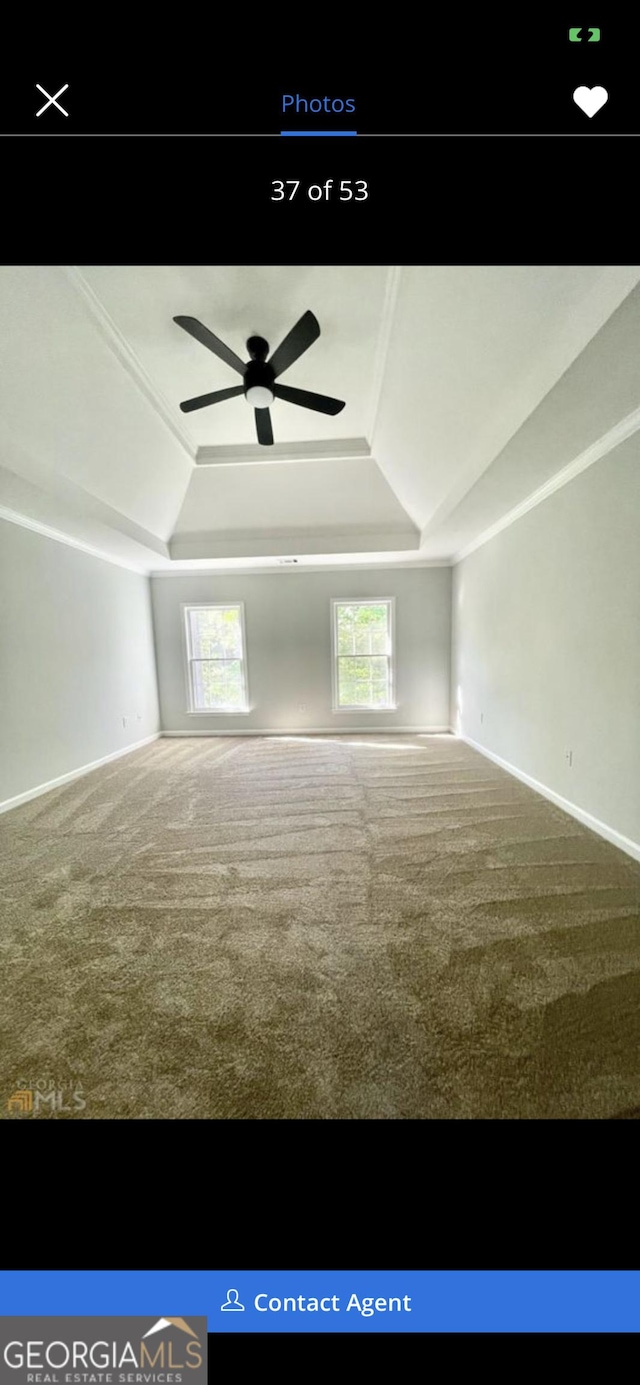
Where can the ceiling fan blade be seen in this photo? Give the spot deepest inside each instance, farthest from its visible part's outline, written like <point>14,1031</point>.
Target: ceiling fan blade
<point>202,400</point>
<point>206,338</point>
<point>299,339</point>
<point>263,426</point>
<point>322,403</point>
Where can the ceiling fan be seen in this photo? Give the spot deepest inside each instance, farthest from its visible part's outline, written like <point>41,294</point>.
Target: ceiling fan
<point>259,374</point>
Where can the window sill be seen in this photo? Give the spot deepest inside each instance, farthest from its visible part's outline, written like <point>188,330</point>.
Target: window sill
<point>218,711</point>
<point>370,711</point>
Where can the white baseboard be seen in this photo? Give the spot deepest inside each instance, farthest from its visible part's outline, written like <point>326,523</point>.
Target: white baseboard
<point>602,828</point>
<point>303,731</point>
<point>74,774</point>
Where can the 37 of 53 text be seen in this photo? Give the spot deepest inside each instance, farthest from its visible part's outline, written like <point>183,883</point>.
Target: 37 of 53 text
<point>333,189</point>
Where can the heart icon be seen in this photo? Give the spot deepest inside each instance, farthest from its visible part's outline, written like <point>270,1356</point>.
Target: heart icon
<point>590,99</point>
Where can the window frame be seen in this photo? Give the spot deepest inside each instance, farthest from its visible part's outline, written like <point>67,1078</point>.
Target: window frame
<point>390,603</point>
<point>186,607</point>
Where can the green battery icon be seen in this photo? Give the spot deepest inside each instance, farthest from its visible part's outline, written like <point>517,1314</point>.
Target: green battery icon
<point>577,35</point>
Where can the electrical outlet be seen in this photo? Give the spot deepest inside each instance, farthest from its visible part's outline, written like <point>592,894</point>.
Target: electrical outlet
<point>125,721</point>
<point>481,717</point>
<point>139,716</point>
<point>302,706</point>
<point>568,755</point>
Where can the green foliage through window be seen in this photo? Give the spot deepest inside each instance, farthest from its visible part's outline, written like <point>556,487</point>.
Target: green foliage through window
<point>216,658</point>
<point>363,654</point>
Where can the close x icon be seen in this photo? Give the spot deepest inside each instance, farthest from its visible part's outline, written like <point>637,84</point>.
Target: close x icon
<point>52,100</point>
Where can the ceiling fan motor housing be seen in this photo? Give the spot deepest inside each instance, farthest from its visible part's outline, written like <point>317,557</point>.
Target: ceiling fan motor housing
<point>259,375</point>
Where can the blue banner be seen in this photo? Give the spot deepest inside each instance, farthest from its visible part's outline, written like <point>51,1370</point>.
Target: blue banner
<point>341,1300</point>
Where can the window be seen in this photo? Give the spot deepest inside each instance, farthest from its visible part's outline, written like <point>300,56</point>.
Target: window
<point>363,675</point>
<point>216,658</point>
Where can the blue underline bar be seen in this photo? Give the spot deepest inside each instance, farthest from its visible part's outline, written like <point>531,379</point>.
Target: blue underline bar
<point>306,133</point>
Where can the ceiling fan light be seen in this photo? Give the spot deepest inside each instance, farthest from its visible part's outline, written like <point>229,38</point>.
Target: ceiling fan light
<point>259,397</point>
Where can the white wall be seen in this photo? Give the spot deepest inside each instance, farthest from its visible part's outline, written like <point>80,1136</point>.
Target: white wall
<point>76,655</point>
<point>546,642</point>
<point>289,647</point>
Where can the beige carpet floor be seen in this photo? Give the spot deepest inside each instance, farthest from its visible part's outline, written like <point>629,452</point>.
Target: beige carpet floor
<point>361,927</point>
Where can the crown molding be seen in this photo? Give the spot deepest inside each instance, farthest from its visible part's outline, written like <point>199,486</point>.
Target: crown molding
<point>186,567</point>
<point>252,454</point>
<point>128,358</point>
<point>47,532</point>
<point>384,339</point>
<point>607,443</point>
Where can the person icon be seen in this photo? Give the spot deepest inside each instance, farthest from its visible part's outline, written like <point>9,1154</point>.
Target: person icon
<point>232,1303</point>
